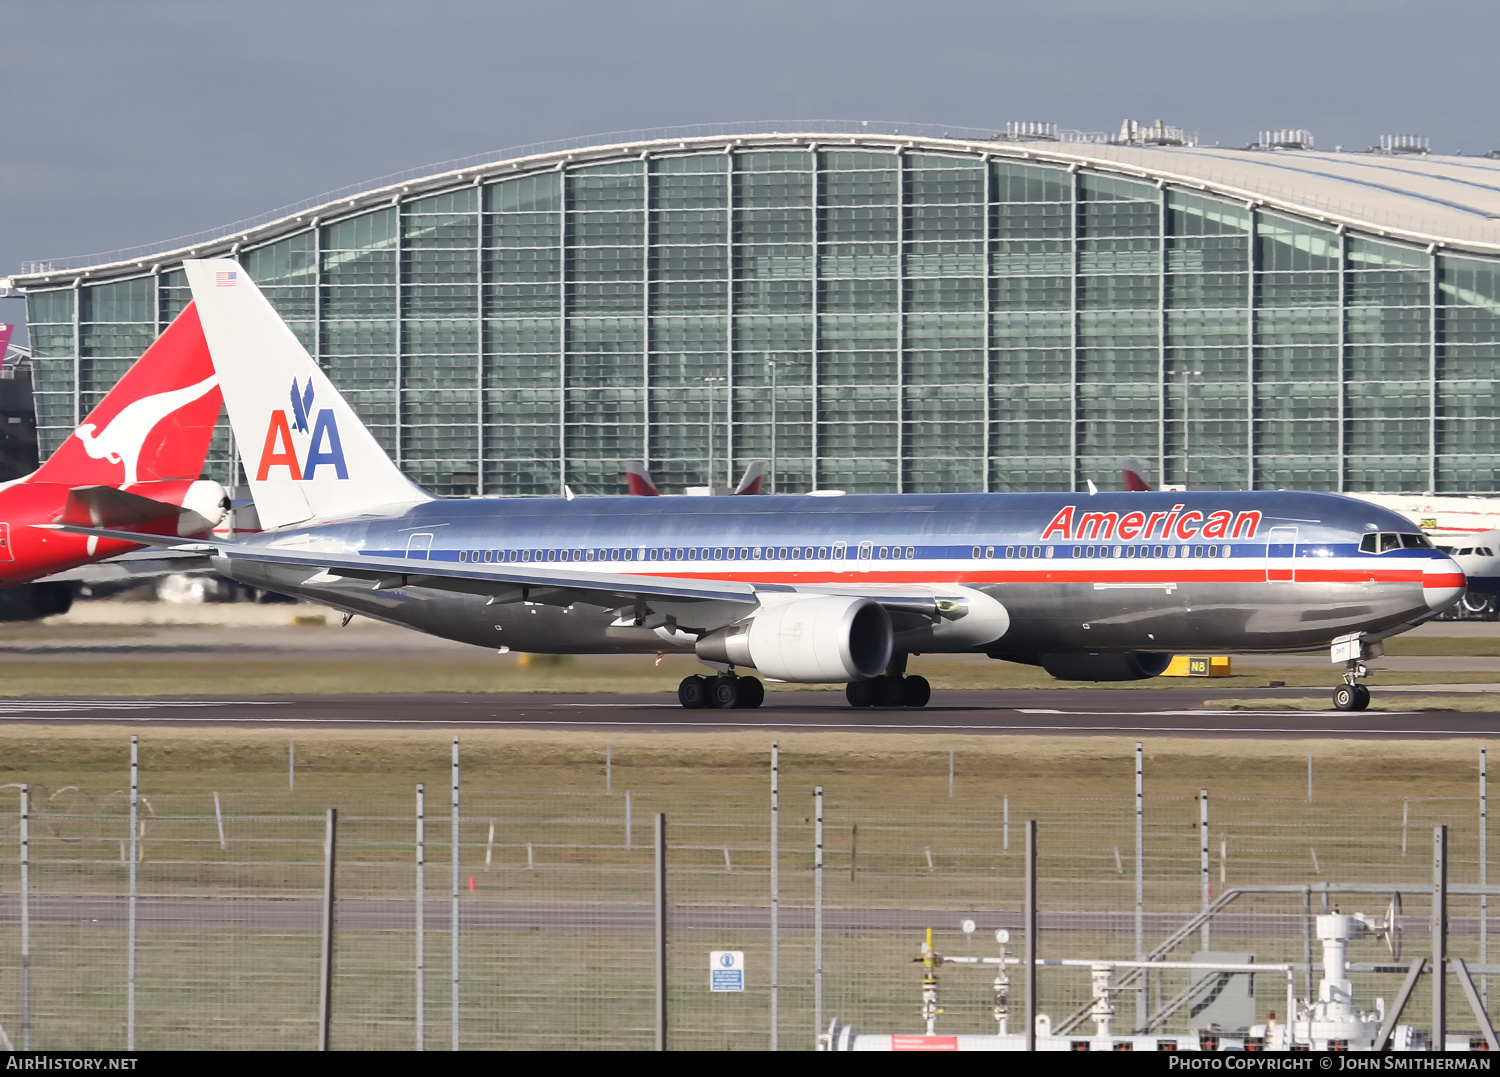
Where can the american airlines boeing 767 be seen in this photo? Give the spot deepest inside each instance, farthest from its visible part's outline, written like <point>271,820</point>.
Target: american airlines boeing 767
<point>800,588</point>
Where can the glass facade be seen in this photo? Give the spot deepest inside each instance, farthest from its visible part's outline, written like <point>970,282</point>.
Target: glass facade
<point>868,319</point>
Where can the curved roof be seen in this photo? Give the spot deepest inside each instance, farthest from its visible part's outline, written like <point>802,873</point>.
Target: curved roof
<point>1449,202</point>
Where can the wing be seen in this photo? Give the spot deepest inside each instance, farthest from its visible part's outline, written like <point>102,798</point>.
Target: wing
<point>501,583</point>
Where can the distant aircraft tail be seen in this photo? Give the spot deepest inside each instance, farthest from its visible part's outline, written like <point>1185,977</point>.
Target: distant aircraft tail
<point>5,333</point>
<point>750,481</point>
<point>1135,476</point>
<point>155,425</point>
<point>306,453</point>
<point>638,480</point>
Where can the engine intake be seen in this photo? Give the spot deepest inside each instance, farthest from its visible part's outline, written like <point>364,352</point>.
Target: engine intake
<point>812,639</point>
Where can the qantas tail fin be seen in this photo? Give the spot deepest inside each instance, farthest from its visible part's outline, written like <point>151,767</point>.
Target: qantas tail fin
<point>638,480</point>
<point>750,481</point>
<point>155,425</point>
<point>306,453</point>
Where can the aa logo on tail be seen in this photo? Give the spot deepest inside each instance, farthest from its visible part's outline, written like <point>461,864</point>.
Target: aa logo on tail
<point>321,436</point>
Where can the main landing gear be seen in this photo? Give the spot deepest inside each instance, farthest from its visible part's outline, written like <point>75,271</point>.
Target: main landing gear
<point>726,691</point>
<point>890,690</point>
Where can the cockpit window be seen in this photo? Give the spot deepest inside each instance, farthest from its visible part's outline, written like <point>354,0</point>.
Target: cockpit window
<point>1386,541</point>
<point>1465,550</point>
<point>1483,551</point>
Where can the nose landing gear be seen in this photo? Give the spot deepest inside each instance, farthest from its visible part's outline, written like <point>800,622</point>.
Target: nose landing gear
<point>1351,651</point>
<point>1351,697</point>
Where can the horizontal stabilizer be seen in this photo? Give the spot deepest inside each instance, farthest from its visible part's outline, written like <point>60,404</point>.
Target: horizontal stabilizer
<point>109,506</point>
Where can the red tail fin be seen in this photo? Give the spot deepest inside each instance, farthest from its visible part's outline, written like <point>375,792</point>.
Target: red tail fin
<point>1132,473</point>
<point>155,425</point>
<point>638,480</point>
<point>750,481</point>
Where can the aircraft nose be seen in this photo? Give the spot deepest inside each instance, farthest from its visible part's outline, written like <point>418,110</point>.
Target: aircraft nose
<point>1442,583</point>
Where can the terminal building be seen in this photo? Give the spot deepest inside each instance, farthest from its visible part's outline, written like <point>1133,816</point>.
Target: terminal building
<point>871,308</point>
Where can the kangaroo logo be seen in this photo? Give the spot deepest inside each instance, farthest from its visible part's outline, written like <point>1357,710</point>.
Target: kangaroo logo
<point>123,438</point>
<point>324,444</point>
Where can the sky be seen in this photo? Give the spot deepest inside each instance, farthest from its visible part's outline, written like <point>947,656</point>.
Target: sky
<point>134,121</point>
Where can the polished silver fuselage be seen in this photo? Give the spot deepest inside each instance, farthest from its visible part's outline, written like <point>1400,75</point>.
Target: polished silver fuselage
<point>1280,571</point>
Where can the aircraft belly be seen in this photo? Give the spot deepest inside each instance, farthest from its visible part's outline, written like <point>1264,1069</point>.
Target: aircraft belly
<point>1208,616</point>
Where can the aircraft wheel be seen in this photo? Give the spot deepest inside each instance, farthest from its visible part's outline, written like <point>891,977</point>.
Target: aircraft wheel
<point>889,691</point>
<point>692,693</point>
<point>860,693</point>
<point>724,692</point>
<point>1351,697</point>
<point>915,691</point>
<point>752,693</point>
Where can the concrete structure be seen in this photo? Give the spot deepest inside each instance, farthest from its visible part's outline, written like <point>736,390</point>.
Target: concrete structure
<point>877,308</point>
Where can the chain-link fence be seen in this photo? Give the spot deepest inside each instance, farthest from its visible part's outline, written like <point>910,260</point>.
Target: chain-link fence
<point>552,897</point>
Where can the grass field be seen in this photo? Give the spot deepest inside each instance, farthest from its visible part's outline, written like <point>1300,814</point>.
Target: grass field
<point>248,977</point>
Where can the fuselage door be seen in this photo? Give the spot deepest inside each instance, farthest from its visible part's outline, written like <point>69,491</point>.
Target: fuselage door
<point>6,553</point>
<point>419,546</point>
<point>1281,549</point>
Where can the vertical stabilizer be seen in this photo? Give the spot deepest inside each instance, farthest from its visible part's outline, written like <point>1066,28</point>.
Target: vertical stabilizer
<point>638,480</point>
<point>306,453</point>
<point>1134,476</point>
<point>155,425</point>
<point>751,480</point>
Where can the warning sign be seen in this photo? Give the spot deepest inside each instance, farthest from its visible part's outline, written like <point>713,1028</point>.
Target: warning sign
<point>726,970</point>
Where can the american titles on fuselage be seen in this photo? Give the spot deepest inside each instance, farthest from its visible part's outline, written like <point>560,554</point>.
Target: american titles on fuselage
<point>1130,526</point>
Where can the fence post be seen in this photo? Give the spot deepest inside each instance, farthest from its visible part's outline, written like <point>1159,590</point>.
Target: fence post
<point>1031,948</point>
<point>1204,883</point>
<point>661,931</point>
<point>775,894</point>
<point>818,917</point>
<point>325,993</point>
<point>135,815</point>
<point>627,818</point>
<point>421,924</point>
<point>1142,995</point>
<point>1439,937</point>
<point>453,912</point>
<point>609,768</point>
<point>1484,872</point>
<point>25,917</point>
<point>291,766</point>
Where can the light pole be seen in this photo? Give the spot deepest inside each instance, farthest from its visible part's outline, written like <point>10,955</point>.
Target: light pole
<point>710,382</point>
<point>1187,422</point>
<point>772,477</point>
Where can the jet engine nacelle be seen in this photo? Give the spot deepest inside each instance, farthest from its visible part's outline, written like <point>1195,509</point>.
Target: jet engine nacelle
<point>32,601</point>
<point>1119,666</point>
<point>809,638</point>
<point>206,504</point>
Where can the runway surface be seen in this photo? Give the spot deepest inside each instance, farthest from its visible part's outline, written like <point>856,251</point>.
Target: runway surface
<point>1075,712</point>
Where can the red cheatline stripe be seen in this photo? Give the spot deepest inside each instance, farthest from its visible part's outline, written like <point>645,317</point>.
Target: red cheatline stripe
<point>1446,579</point>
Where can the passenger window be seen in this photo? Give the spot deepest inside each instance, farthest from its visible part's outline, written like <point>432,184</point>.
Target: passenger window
<point>1010,551</point>
<point>976,552</point>
<point>796,553</point>
<point>1077,551</point>
<point>911,551</point>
